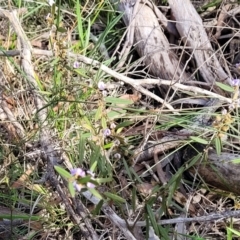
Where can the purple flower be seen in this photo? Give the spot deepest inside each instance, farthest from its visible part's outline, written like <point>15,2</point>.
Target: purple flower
<point>77,186</point>
<point>235,82</point>
<point>101,86</point>
<point>78,172</point>
<point>237,65</point>
<point>76,64</point>
<point>90,185</point>
<point>106,132</point>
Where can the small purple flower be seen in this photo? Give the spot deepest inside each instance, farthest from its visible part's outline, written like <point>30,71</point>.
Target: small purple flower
<point>90,185</point>
<point>106,132</point>
<point>77,186</point>
<point>235,82</point>
<point>101,86</point>
<point>78,172</point>
<point>237,65</point>
<point>76,64</point>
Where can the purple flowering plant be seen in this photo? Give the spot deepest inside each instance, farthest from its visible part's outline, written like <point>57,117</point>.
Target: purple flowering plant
<point>235,82</point>
<point>79,180</point>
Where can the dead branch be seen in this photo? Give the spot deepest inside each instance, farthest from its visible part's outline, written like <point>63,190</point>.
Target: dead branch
<point>150,41</point>
<point>219,171</point>
<point>190,27</point>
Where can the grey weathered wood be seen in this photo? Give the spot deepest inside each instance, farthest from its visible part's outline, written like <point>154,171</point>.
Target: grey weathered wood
<point>220,171</point>
<point>190,27</point>
<point>150,40</point>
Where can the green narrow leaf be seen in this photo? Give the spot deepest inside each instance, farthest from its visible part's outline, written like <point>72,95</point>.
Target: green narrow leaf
<point>98,114</point>
<point>115,114</point>
<point>87,35</point>
<point>108,145</point>
<point>199,140</point>
<point>225,87</point>
<point>194,160</point>
<point>61,30</point>
<point>93,166</point>
<point>234,231</point>
<point>114,197</point>
<point>71,189</point>
<point>63,172</point>
<point>152,220</point>
<point>81,148</point>
<point>147,224</point>
<point>81,72</point>
<point>107,31</point>
<point>95,155</point>
<point>136,177</point>
<point>218,145</point>
<point>164,232</point>
<point>84,180</point>
<point>98,207</point>
<point>95,193</point>
<point>236,161</point>
<point>104,123</point>
<point>80,24</point>
<point>117,100</point>
<point>134,198</point>
<point>103,180</point>
<point>127,169</point>
<point>124,124</point>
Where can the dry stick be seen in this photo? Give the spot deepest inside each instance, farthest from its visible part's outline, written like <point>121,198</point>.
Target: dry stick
<point>123,223</point>
<point>131,81</point>
<point>45,140</point>
<point>137,83</point>
<point>130,34</point>
<point>183,87</point>
<point>220,22</point>
<point>9,115</point>
<point>210,217</point>
<point>112,73</point>
<point>160,172</point>
<point>190,27</point>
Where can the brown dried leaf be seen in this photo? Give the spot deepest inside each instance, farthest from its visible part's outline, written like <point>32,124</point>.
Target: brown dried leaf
<point>145,188</point>
<point>22,181</point>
